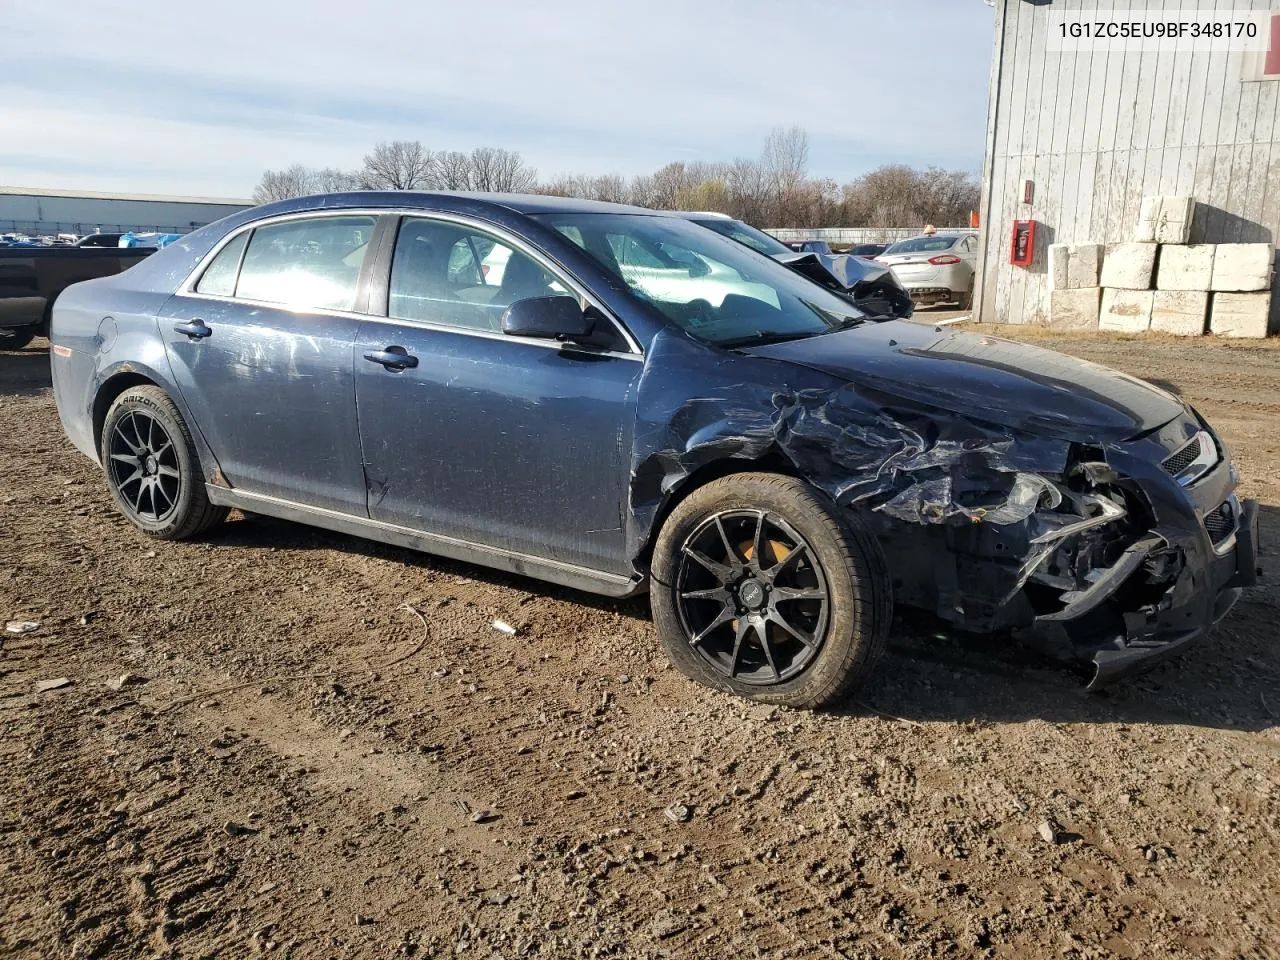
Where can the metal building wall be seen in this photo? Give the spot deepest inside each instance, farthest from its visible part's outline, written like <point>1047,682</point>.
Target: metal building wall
<point>1098,132</point>
<point>59,211</point>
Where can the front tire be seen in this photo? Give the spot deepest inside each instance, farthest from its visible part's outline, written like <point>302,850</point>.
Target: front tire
<point>152,467</point>
<point>761,588</point>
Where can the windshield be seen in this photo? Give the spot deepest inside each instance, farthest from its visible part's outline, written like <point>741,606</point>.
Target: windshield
<point>923,245</point>
<point>757,240</point>
<point>706,284</point>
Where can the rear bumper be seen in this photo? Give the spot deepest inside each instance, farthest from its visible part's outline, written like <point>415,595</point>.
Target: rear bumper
<point>1155,636</point>
<point>932,294</point>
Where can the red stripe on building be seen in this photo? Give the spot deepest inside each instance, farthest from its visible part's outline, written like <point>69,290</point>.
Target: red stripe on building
<point>1272,66</point>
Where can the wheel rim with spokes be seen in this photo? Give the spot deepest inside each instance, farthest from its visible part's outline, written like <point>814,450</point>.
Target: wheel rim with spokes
<point>144,466</point>
<point>752,596</point>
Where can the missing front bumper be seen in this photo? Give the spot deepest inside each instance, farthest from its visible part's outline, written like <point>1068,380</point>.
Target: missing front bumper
<point>1142,648</point>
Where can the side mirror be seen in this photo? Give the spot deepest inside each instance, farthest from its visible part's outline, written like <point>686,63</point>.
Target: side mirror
<point>548,318</point>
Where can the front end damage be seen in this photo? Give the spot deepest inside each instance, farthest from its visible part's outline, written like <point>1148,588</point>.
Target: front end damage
<point>1076,563</point>
<point>1089,551</point>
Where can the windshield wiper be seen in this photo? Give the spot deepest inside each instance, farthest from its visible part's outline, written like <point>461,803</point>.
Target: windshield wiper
<point>762,338</point>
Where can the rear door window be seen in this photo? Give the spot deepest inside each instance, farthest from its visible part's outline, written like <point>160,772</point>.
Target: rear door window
<point>311,264</point>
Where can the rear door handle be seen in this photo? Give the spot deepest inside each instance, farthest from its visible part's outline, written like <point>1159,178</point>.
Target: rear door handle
<point>393,358</point>
<point>197,329</point>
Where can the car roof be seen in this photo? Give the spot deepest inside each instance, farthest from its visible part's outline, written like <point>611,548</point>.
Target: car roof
<point>526,203</point>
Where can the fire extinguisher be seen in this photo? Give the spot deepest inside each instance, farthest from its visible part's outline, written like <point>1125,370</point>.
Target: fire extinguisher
<point>1023,249</point>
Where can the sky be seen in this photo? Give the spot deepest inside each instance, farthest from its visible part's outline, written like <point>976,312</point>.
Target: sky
<point>199,98</point>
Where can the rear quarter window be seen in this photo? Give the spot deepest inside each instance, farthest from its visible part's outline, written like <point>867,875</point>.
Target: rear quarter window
<point>219,278</point>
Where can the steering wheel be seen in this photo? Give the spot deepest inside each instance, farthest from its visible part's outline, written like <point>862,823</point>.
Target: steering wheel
<point>700,311</point>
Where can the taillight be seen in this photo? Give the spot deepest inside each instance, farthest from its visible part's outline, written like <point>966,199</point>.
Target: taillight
<point>944,261</point>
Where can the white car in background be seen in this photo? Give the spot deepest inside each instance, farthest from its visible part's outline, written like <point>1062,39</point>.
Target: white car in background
<point>937,268</point>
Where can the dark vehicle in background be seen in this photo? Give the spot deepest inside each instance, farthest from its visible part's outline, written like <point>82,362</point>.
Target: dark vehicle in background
<point>642,404</point>
<point>100,240</point>
<point>808,246</point>
<point>31,278</point>
<point>868,251</point>
<point>873,287</point>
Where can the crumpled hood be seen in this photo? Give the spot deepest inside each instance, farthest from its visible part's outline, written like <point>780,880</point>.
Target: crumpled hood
<point>987,378</point>
<point>873,286</point>
<point>849,271</point>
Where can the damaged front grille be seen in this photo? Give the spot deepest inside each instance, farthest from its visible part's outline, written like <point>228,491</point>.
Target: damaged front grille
<point>1221,523</point>
<point>1193,459</point>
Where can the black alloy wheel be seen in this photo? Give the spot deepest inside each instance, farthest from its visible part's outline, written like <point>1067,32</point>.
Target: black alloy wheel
<point>752,597</point>
<point>153,467</point>
<point>144,466</point>
<point>761,586</point>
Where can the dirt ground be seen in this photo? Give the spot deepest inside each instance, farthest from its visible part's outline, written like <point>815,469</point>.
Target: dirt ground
<point>296,767</point>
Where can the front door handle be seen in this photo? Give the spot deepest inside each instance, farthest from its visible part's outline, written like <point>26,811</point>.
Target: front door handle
<point>393,358</point>
<point>197,329</point>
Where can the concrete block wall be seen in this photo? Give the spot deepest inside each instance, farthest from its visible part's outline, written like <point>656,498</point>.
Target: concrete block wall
<point>1160,282</point>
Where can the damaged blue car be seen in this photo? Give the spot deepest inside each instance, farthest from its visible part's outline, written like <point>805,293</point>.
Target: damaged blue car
<point>619,401</point>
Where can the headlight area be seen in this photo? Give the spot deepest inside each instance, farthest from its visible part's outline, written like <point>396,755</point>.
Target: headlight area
<point>1068,561</point>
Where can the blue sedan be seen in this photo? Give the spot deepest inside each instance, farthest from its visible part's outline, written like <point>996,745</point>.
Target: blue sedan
<point>618,400</point>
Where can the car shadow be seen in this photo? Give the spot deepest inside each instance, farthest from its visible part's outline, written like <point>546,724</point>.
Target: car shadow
<point>260,532</point>
<point>1231,680</point>
<point>24,373</point>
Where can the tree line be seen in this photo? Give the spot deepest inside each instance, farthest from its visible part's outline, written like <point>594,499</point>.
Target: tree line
<point>772,190</point>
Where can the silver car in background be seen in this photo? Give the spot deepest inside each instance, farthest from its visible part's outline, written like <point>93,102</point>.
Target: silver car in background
<point>939,268</point>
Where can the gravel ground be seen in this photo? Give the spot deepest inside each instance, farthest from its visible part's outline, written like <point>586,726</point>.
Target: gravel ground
<point>288,742</point>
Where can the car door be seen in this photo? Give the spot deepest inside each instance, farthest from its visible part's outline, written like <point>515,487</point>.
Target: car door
<point>515,444</point>
<point>260,347</point>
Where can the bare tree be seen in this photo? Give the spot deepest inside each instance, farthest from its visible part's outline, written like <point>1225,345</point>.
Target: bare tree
<point>332,180</point>
<point>786,157</point>
<point>399,165</point>
<point>774,191</point>
<point>297,181</point>
<point>898,195</point>
<point>500,171</point>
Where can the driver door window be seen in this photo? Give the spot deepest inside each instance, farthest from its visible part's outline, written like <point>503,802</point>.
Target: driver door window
<point>454,276</point>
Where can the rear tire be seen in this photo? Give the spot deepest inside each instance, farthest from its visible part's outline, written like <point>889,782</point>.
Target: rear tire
<point>789,600</point>
<point>966,301</point>
<point>152,467</point>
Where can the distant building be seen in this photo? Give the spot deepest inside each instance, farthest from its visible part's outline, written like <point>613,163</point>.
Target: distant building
<point>39,212</point>
<point>1076,140</point>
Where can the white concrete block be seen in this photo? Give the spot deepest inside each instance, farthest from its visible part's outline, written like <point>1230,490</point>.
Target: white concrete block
<point>1148,217</point>
<point>1174,225</point>
<point>1182,312</point>
<point>1165,220</point>
<point>1083,266</point>
<point>1126,310</point>
<point>1129,266</point>
<point>1059,256</point>
<point>1242,267</point>
<point>1240,314</point>
<point>1074,266</point>
<point>1185,268</point>
<point>1075,309</point>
